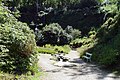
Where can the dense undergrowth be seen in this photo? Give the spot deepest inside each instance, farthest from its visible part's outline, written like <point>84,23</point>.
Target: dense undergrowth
<point>105,44</point>
<point>54,34</point>
<point>17,45</point>
<point>107,49</point>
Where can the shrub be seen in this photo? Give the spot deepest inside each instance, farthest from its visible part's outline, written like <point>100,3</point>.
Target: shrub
<point>50,34</point>
<point>109,29</point>
<point>53,34</point>
<point>107,54</point>
<point>64,38</point>
<point>17,44</point>
<point>109,57</point>
<point>76,43</point>
<point>65,49</point>
<point>75,33</point>
<point>81,42</point>
<point>92,33</point>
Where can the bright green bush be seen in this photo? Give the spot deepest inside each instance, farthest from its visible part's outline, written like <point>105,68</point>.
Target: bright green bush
<point>65,49</point>
<point>46,50</point>
<point>81,42</point>
<point>17,44</point>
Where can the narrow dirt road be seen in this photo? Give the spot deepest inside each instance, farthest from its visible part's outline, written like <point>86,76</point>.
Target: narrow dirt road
<point>75,69</point>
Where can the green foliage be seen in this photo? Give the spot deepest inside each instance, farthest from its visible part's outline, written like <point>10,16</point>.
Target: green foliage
<point>112,6</point>
<point>46,50</point>
<point>64,38</point>
<point>65,49</point>
<point>59,3</point>
<point>6,76</point>
<point>53,34</point>
<point>53,3</point>
<point>81,42</point>
<point>87,43</point>
<point>105,44</point>
<point>109,8</point>
<point>49,49</point>
<point>75,33</point>
<point>109,29</point>
<point>92,34</point>
<point>54,28</point>
<point>18,3</point>
<point>107,54</point>
<point>17,44</point>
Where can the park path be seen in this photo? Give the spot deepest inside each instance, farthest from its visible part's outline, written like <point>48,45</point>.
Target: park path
<point>75,69</point>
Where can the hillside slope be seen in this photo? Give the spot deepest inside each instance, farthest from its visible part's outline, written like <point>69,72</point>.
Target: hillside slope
<point>105,44</point>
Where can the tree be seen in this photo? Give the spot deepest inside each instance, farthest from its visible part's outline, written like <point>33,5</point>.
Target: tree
<point>53,34</point>
<point>50,34</point>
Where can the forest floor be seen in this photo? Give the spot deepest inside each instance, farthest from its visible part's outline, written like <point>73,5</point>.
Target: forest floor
<point>75,69</point>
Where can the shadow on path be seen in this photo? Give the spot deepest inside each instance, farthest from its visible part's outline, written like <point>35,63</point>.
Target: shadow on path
<point>79,70</point>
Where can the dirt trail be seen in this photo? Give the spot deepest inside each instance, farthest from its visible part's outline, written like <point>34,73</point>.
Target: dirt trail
<point>75,69</point>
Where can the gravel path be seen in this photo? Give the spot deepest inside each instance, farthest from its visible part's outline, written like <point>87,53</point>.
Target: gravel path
<point>75,69</point>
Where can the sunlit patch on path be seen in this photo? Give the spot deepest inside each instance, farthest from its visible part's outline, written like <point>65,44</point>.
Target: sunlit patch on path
<point>75,69</point>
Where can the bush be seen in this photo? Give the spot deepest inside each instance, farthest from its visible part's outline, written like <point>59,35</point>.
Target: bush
<point>64,38</point>
<point>75,33</point>
<point>53,34</point>
<point>81,42</point>
<point>17,44</point>
<point>108,54</point>
<point>65,49</point>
